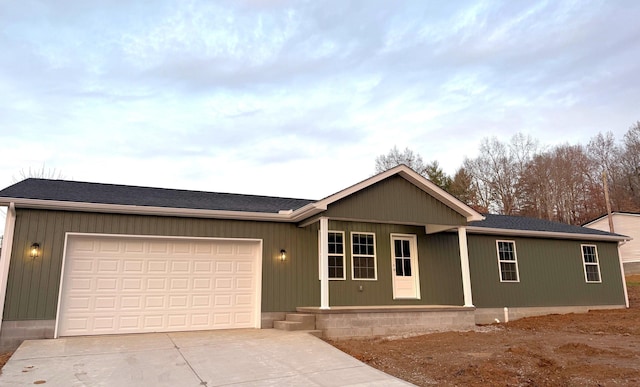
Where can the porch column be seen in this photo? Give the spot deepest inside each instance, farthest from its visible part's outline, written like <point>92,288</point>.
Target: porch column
<point>5,258</point>
<point>324,263</point>
<point>464,265</point>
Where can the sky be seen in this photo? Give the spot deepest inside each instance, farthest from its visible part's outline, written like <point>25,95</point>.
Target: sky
<point>297,98</point>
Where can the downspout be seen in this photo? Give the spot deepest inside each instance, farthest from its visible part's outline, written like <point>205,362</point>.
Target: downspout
<point>624,282</point>
<point>5,256</point>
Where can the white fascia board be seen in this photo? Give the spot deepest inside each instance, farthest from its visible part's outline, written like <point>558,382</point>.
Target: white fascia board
<point>307,211</point>
<point>546,234</point>
<point>147,210</point>
<point>413,177</point>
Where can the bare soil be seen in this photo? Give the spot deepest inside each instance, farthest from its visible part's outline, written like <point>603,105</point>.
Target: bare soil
<point>599,348</point>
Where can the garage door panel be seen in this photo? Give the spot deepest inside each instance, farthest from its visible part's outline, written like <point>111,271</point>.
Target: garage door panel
<point>126,285</point>
<point>106,246</point>
<point>133,247</point>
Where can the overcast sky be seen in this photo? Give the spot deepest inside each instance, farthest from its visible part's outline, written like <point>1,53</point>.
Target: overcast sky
<point>297,99</point>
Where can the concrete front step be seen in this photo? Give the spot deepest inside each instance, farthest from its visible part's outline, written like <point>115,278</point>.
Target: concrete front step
<point>296,322</point>
<point>308,320</point>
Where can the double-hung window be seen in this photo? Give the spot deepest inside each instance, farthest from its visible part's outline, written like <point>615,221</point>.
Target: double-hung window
<point>363,256</point>
<point>507,261</point>
<point>591,265</point>
<point>336,255</point>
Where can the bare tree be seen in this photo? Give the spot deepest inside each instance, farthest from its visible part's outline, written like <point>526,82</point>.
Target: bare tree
<point>606,156</point>
<point>395,158</point>
<point>630,165</point>
<point>496,172</point>
<point>38,173</point>
<point>558,185</point>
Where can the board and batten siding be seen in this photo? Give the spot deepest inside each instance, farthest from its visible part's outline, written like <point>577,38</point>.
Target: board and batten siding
<point>394,200</point>
<point>551,274</point>
<point>32,289</point>
<point>438,261</point>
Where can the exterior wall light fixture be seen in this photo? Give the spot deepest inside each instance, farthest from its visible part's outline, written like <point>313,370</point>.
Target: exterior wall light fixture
<point>34,251</point>
<point>283,255</point>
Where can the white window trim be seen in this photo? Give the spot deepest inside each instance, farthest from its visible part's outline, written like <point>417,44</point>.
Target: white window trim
<point>585,263</point>
<point>344,255</point>
<point>375,257</point>
<point>500,260</point>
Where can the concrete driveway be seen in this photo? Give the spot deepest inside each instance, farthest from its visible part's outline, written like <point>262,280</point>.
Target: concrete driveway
<point>247,357</point>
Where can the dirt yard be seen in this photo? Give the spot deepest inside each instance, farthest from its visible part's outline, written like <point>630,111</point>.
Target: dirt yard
<point>599,348</point>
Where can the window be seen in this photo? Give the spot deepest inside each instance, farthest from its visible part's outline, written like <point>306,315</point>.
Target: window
<point>507,261</point>
<point>336,255</point>
<point>363,255</point>
<point>591,265</point>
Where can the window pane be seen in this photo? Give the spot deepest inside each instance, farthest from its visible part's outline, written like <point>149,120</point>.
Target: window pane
<point>592,273</point>
<point>336,266</point>
<point>398,247</point>
<point>508,270</point>
<point>407,267</point>
<point>589,254</point>
<point>399,268</point>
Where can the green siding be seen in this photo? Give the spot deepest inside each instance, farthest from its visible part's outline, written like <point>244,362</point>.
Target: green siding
<point>394,200</point>
<point>32,289</point>
<point>551,274</point>
<point>551,271</point>
<point>439,268</point>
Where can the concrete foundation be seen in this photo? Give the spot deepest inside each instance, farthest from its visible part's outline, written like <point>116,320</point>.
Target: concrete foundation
<point>353,322</point>
<point>13,333</point>
<point>492,315</point>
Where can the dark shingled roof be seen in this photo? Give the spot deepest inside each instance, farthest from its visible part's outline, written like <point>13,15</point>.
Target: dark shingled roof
<point>532,224</point>
<point>75,191</point>
<point>81,192</point>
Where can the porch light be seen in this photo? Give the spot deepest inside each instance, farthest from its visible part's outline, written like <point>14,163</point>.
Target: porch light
<point>34,252</point>
<point>283,255</point>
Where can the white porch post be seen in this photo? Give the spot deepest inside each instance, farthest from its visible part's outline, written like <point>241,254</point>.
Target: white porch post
<point>324,263</point>
<point>464,265</point>
<point>5,257</point>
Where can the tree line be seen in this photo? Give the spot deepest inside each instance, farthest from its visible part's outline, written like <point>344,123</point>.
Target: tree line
<point>563,183</point>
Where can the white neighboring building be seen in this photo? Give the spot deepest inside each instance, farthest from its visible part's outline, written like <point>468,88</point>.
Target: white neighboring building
<point>624,223</point>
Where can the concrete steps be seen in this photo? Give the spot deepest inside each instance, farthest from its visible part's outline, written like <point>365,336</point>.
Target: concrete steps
<point>297,322</point>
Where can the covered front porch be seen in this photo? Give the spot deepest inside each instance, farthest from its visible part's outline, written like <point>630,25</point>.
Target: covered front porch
<point>394,314</point>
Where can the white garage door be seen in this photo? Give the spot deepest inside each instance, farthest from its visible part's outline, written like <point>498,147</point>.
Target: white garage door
<point>115,284</point>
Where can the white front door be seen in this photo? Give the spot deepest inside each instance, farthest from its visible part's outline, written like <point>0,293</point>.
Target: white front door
<point>404,262</point>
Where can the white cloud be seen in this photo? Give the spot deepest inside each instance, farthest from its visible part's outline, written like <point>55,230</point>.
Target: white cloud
<point>297,99</point>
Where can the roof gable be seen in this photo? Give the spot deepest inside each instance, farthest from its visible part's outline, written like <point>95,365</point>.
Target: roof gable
<point>409,175</point>
<point>394,200</point>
